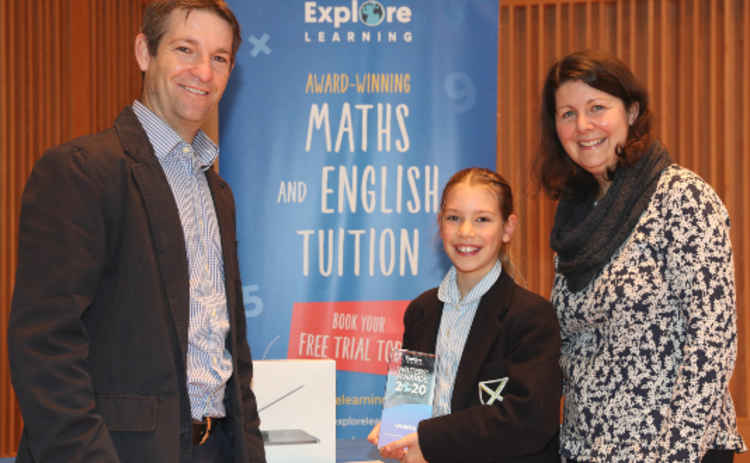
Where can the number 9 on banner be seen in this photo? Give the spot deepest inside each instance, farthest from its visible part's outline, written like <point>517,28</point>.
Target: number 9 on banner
<point>461,91</point>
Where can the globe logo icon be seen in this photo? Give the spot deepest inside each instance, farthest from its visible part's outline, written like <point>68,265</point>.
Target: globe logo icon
<point>371,13</point>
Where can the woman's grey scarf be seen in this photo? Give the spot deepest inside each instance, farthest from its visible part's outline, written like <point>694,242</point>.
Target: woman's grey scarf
<point>586,233</point>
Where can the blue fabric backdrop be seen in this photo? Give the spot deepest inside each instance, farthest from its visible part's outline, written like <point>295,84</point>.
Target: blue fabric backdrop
<point>341,124</point>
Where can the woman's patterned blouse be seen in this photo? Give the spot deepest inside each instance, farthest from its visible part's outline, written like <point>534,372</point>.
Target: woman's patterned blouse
<point>649,345</point>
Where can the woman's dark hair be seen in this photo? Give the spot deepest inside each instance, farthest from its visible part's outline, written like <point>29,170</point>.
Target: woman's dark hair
<point>556,173</point>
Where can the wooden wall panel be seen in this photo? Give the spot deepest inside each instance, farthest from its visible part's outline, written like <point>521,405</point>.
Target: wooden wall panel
<point>66,69</point>
<point>6,398</point>
<point>694,57</point>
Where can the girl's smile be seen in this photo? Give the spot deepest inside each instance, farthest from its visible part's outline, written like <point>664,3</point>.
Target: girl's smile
<point>473,231</point>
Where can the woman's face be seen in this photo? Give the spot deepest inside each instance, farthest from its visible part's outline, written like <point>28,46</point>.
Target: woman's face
<point>590,125</point>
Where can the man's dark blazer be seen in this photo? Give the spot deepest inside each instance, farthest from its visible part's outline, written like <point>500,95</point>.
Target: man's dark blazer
<point>514,334</point>
<point>99,321</point>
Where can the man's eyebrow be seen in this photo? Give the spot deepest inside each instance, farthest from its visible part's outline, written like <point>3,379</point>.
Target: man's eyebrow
<point>189,40</point>
<point>196,43</point>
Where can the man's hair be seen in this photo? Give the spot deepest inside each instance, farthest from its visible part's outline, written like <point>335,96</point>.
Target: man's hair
<point>156,13</point>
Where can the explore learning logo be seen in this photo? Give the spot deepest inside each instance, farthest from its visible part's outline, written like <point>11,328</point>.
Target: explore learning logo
<point>339,22</point>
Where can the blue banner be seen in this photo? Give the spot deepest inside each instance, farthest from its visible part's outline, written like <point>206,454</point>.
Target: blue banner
<point>342,121</point>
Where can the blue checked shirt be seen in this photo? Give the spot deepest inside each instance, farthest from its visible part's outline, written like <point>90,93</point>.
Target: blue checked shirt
<point>455,324</point>
<point>209,364</point>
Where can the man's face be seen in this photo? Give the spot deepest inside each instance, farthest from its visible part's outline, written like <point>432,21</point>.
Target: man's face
<point>185,80</point>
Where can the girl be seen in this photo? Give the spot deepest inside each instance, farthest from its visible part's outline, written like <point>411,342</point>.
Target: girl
<point>497,391</point>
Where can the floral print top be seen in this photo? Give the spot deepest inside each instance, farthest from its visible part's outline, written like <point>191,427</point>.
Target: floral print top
<point>649,345</point>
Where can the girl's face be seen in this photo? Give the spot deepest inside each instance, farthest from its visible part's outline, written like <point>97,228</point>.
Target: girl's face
<point>473,230</point>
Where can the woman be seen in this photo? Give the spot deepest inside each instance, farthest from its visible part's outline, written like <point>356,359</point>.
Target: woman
<point>644,284</point>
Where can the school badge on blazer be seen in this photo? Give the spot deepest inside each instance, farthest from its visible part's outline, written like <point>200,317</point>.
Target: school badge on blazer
<point>490,390</point>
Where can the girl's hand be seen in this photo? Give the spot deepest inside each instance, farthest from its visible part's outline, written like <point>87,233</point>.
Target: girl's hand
<point>406,450</point>
<point>374,435</point>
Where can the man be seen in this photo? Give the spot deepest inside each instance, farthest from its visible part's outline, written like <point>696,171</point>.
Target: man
<point>127,330</point>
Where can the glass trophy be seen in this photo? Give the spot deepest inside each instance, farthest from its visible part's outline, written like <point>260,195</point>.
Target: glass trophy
<point>408,397</point>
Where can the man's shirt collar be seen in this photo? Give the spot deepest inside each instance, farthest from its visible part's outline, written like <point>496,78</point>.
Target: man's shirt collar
<point>165,140</point>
